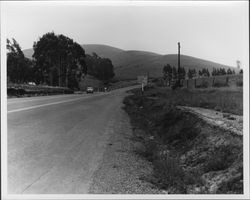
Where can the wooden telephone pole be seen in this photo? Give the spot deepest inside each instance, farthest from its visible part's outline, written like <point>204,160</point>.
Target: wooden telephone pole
<point>179,64</point>
<point>179,50</point>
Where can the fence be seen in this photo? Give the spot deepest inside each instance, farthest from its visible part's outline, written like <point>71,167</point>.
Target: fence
<point>214,81</point>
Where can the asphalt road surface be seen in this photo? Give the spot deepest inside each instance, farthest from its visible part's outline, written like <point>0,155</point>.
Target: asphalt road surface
<point>55,143</point>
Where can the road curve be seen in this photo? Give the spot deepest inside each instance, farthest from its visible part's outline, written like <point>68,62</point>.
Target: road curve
<point>55,143</point>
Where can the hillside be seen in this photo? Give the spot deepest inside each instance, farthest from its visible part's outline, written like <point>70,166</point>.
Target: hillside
<point>103,51</point>
<point>153,64</point>
<point>28,53</point>
<point>130,64</point>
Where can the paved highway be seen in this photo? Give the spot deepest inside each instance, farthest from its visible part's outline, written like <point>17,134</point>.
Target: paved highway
<point>56,143</point>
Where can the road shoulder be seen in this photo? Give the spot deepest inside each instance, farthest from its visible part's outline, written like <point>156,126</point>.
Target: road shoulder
<point>122,171</point>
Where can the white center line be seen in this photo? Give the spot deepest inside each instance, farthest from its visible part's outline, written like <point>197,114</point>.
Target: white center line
<point>39,99</point>
<point>47,104</point>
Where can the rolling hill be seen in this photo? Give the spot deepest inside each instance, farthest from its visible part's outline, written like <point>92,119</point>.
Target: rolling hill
<point>103,51</point>
<point>153,65</point>
<point>130,64</point>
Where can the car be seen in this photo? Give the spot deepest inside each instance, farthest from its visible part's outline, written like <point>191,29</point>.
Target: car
<point>90,90</point>
<point>31,83</point>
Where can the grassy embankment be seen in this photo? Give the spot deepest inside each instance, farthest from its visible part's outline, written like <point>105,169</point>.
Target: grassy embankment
<point>188,155</point>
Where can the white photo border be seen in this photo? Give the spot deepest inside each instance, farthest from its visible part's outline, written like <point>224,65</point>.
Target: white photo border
<point>7,196</point>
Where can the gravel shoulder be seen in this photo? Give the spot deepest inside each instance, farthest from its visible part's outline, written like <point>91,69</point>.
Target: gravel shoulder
<point>121,170</point>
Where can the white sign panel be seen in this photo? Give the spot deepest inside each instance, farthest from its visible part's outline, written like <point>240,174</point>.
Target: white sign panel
<point>142,80</point>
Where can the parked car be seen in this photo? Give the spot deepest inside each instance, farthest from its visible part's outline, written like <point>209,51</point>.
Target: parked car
<point>90,90</point>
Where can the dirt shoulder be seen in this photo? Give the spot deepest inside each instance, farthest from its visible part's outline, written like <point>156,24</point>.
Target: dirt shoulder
<point>121,170</point>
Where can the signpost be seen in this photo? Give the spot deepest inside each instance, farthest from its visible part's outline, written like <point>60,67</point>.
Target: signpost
<point>143,80</point>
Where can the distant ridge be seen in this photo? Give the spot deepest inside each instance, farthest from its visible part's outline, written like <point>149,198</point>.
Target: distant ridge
<point>102,50</point>
<point>130,64</point>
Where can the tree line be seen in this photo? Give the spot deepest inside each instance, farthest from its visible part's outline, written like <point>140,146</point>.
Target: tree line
<point>57,61</point>
<point>173,74</point>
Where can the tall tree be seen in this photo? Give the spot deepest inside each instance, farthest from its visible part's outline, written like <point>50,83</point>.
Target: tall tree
<point>192,73</point>
<point>19,68</point>
<point>101,68</point>
<point>182,73</point>
<point>200,73</point>
<point>229,71</point>
<point>59,60</point>
<point>167,73</point>
<point>174,74</point>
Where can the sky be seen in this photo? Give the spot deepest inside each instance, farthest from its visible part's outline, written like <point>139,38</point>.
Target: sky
<point>215,31</point>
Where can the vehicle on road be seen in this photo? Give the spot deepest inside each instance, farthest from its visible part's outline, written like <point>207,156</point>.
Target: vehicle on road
<point>90,90</point>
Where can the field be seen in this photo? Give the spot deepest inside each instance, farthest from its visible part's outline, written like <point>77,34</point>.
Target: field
<point>224,99</point>
<point>188,155</point>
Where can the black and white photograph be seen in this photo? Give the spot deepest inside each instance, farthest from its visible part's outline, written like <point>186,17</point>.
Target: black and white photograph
<point>124,100</point>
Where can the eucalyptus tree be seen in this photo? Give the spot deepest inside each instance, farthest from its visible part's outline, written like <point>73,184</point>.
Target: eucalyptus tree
<point>101,68</point>
<point>167,73</point>
<point>60,60</point>
<point>19,68</point>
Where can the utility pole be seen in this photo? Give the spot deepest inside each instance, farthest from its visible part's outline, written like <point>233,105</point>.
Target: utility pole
<point>179,49</point>
<point>179,64</point>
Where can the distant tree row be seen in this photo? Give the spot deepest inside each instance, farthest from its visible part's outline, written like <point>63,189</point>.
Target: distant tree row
<point>222,71</point>
<point>204,72</point>
<point>172,74</point>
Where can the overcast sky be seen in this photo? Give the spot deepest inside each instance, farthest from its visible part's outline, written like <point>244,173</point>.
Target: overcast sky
<point>216,31</point>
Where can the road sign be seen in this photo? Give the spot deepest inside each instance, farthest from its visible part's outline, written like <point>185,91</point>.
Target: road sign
<point>142,80</point>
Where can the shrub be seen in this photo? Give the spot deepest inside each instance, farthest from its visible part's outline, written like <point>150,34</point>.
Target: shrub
<point>220,159</point>
<point>169,172</point>
<point>178,126</point>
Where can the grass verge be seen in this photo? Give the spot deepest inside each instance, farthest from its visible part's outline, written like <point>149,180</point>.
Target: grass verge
<point>188,155</point>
